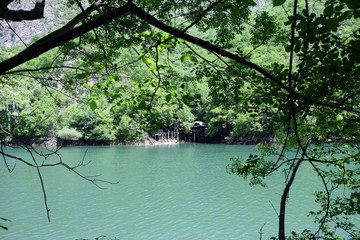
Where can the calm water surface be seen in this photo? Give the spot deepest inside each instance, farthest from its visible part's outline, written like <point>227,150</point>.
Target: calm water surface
<point>165,192</point>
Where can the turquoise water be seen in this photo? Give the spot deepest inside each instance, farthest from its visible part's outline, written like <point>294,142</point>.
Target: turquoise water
<point>164,192</point>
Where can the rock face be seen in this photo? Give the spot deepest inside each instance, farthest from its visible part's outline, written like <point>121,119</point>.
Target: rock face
<point>15,33</point>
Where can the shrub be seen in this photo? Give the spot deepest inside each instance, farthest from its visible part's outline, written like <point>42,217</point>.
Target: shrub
<point>244,125</point>
<point>67,133</point>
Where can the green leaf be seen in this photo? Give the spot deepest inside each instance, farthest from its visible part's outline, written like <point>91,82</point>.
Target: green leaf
<point>188,57</point>
<point>163,67</point>
<point>98,65</point>
<point>193,59</point>
<point>146,33</point>
<point>93,104</point>
<point>147,61</point>
<point>126,132</point>
<point>180,40</point>
<point>331,24</point>
<point>328,11</point>
<point>142,104</point>
<point>339,118</point>
<point>184,58</point>
<point>82,75</point>
<point>278,2</point>
<point>288,48</point>
<point>152,67</point>
<point>352,4</point>
<point>168,97</point>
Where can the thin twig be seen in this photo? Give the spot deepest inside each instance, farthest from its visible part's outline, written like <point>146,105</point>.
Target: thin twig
<point>323,220</point>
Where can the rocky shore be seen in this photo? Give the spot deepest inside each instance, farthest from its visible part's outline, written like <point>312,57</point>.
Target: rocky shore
<point>147,142</point>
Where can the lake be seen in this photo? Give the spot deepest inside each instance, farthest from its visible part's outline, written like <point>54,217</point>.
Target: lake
<point>164,192</point>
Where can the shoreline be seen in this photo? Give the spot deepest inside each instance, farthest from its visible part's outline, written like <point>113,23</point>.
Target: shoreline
<point>55,142</point>
<point>69,143</point>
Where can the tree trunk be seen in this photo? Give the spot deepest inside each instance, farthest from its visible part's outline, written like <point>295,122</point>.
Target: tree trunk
<point>283,202</point>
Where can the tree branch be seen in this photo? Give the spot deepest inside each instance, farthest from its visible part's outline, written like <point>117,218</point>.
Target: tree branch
<point>283,201</point>
<point>323,220</point>
<point>213,48</point>
<point>292,44</point>
<point>202,14</point>
<point>204,44</point>
<point>67,33</point>
<point>42,187</point>
<point>64,34</point>
<point>13,30</point>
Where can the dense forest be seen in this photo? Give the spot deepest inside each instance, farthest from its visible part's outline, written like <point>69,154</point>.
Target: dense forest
<point>96,107</point>
<point>284,72</point>
<point>105,109</point>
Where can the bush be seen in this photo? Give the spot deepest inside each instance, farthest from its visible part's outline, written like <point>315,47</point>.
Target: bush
<point>67,133</point>
<point>80,117</point>
<point>245,125</point>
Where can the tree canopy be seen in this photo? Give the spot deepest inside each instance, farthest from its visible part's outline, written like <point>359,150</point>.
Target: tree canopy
<point>294,64</point>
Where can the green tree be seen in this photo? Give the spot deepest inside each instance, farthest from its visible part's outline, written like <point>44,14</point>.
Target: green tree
<point>79,117</point>
<point>38,121</point>
<point>219,122</point>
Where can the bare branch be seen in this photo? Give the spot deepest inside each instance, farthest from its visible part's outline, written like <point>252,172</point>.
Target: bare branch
<point>6,163</point>
<point>306,42</point>
<point>292,44</point>
<point>12,29</point>
<point>47,68</point>
<point>323,220</point>
<point>43,188</point>
<point>32,151</point>
<point>202,14</point>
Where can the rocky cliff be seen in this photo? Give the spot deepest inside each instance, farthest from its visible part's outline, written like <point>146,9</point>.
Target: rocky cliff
<point>15,33</point>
